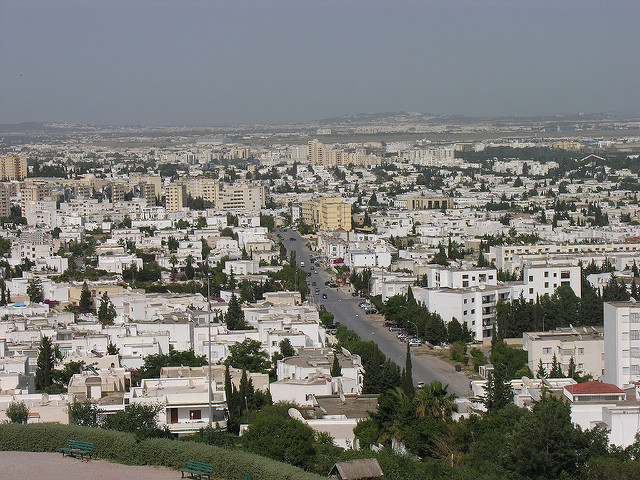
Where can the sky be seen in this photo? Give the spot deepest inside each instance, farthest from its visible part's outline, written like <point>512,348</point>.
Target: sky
<point>211,63</point>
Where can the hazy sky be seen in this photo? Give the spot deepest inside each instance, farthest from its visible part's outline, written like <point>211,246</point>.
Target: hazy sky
<point>226,62</point>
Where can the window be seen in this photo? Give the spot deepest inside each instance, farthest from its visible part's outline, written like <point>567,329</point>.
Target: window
<point>546,284</point>
<point>555,274</point>
<point>465,312</point>
<point>565,275</point>
<point>546,274</point>
<point>473,300</point>
<point>546,350</point>
<point>635,334</point>
<point>531,278</point>
<point>490,277</point>
<point>580,351</point>
<point>581,366</point>
<point>465,301</point>
<point>195,414</point>
<point>531,291</point>
<point>473,310</point>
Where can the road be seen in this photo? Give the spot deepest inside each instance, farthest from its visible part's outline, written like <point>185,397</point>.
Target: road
<point>426,368</point>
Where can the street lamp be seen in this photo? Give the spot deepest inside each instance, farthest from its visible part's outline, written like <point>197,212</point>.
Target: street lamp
<point>409,321</point>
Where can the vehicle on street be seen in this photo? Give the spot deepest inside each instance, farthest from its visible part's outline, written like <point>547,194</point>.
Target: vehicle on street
<point>313,283</point>
<point>414,342</point>
<point>308,274</point>
<point>322,307</point>
<point>324,295</point>
<point>302,264</point>
<point>394,329</point>
<point>420,384</point>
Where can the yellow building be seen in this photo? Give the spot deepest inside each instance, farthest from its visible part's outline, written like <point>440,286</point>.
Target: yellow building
<point>175,196</point>
<point>327,214</point>
<point>5,200</point>
<point>13,168</point>
<point>428,203</point>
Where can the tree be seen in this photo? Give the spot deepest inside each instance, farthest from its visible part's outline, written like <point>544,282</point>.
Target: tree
<point>85,297</point>
<point>138,418</point>
<point>189,271</point>
<point>408,374</point>
<point>35,291</point>
<point>85,414</point>
<point>541,372</point>
<point>154,363</point>
<point>107,311</point>
<point>336,370</point>
<point>545,443</point>
<point>286,349</point>
<point>556,368</point>
<point>498,390</point>
<point>248,355</point>
<point>234,317</point>
<point>112,349</point>
<point>282,439</point>
<point>571,372</point>
<point>45,365</point>
<point>17,412</point>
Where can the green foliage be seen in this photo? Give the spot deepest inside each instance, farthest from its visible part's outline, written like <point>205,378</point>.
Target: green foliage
<point>286,349</point>
<point>234,317</point>
<point>248,355</point>
<point>17,412</point>
<point>106,311</point>
<point>154,363</point>
<point>283,439</point>
<point>85,297</point>
<point>513,359</point>
<point>336,370</point>
<point>498,390</point>
<point>34,291</point>
<point>85,414</point>
<point>137,418</point>
<point>128,449</point>
<point>45,365</point>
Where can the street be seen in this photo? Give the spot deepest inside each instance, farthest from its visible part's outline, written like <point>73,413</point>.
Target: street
<point>426,368</point>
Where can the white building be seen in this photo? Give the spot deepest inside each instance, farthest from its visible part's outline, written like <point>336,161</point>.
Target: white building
<point>621,343</point>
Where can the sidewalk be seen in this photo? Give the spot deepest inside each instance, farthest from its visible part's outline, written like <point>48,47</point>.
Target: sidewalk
<point>53,466</point>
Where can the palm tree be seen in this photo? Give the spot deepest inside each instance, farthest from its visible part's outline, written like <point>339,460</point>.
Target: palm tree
<point>434,400</point>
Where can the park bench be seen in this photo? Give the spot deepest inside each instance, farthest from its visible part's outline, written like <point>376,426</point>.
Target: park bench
<point>197,469</point>
<point>75,447</point>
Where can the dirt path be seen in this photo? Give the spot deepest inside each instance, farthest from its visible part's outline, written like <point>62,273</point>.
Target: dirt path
<point>53,466</point>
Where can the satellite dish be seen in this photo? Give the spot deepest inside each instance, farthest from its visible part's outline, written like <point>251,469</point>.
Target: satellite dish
<point>295,414</point>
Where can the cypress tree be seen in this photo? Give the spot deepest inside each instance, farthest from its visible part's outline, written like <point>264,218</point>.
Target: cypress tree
<point>541,373</point>
<point>85,297</point>
<point>408,374</point>
<point>45,365</point>
<point>336,370</point>
<point>234,316</point>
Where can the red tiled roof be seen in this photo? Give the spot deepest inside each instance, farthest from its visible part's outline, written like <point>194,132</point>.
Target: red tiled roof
<point>592,388</point>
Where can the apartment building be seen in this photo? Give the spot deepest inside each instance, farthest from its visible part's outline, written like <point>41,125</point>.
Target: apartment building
<point>13,168</point>
<point>475,306</point>
<point>175,197</point>
<point>621,343</point>
<point>5,200</point>
<point>544,280</point>
<point>453,277</point>
<point>239,197</point>
<point>428,203</point>
<point>584,344</point>
<point>318,154</point>
<point>327,214</point>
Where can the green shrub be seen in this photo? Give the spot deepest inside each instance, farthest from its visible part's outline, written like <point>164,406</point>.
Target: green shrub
<point>123,448</point>
<point>17,412</point>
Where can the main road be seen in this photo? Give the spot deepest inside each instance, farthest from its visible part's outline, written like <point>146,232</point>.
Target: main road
<point>426,368</point>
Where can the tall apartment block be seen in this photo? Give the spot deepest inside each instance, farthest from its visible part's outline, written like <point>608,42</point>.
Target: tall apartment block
<point>13,168</point>
<point>5,197</point>
<point>175,196</point>
<point>621,343</point>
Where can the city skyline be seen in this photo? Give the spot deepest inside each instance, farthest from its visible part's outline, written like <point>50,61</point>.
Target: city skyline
<point>249,62</point>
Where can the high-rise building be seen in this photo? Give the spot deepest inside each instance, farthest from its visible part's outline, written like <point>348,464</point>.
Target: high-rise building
<point>175,196</point>
<point>318,154</point>
<point>5,200</point>
<point>621,343</point>
<point>327,214</point>
<point>13,168</point>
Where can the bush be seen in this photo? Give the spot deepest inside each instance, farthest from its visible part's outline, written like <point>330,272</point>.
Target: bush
<point>17,412</point>
<point>124,448</point>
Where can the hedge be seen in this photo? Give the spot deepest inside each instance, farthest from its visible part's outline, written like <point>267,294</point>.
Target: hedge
<point>124,448</point>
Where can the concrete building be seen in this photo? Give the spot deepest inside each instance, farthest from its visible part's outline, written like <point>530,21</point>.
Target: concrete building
<point>543,280</point>
<point>621,343</point>
<point>13,167</point>
<point>175,196</point>
<point>428,203</point>
<point>327,214</point>
<point>5,200</point>
<point>584,344</point>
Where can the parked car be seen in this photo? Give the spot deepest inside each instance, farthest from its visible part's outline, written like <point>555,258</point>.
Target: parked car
<point>394,329</point>
<point>414,342</point>
<point>324,295</point>
<point>420,384</point>
<point>327,283</point>
<point>313,283</point>
<point>322,307</point>
<point>370,311</point>
<point>292,239</point>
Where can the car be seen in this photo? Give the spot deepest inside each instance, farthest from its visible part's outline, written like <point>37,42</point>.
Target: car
<point>370,311</point>
<point>354,294</point>
<point>327,283</point>
<point>292,239</point>
<point>317,292</point>
<point>312,267</point>
<point>394,329</point>
<point>364,305</point>
<point>313,283</point>
<point>324,295</point>
<point>316,272</point>
<point>388,324</point>
<point>308,274</point>
<point>420,384</point>
<point>302,264</point>
<point>322,307</point>
<point>414,342</point>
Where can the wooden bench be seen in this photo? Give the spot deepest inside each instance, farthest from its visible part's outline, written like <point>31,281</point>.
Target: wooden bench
<point>75,447</point>
<point>197,469</point>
